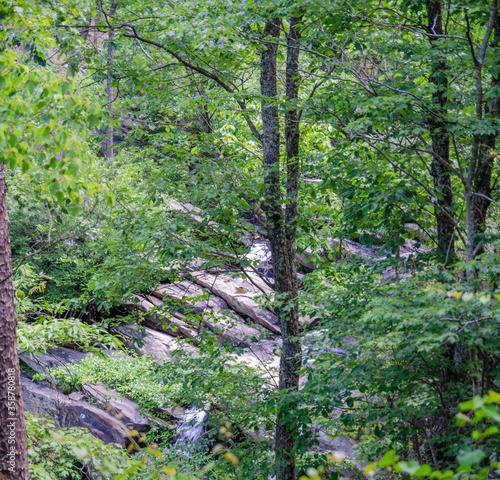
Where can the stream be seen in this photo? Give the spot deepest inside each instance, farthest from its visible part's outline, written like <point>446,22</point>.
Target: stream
<point>190,431</point>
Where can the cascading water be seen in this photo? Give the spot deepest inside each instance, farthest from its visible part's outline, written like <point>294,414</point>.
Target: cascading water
<point>260,252</point>
<point>190,430</point>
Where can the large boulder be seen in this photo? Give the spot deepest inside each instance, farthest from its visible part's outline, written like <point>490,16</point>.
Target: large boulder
<point>74,411</point>
<point>119,406</point>
<point>55,357</point>
<point>240,294</point>
<point>146,341</point>
<point>158,320</point>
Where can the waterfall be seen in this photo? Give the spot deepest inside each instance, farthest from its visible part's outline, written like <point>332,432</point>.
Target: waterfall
<point>191,429</point>
<point>261,253</point>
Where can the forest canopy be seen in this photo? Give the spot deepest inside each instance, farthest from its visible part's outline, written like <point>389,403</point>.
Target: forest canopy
<point>249,239</point>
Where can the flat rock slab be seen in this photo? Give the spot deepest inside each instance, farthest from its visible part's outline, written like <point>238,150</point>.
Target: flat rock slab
<point>72,411</point>
<point>147,341</point>
<point>239,293</point>
<point>191,296</point>
<point>115,403</point>
<point>55,357</point>
<point>157,320</point>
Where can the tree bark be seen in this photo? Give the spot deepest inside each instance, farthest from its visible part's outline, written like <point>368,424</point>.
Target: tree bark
<point>440,138</point>
<point>13,435</point>
<point>109,90</point>
<point>486,151</point>
<point>282,233</point>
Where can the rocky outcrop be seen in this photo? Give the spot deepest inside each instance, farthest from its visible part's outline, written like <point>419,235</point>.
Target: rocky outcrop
<point>209,311</point>
<point>146,341</point>
<point>74,411</point>
<point>191,296</point>
<point>55,357</point>
<point>118,406</point>
<point>239,293</point>
<point>104,412</point>
<point>158,320</point>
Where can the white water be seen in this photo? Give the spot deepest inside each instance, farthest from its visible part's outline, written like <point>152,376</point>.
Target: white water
<point>260,252</point>
<point>191,428</point>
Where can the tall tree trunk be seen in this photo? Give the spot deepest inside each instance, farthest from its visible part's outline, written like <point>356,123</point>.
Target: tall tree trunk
<point>109,90</point>
<point>13,436</point>
<point>440,138</point>
<point>485,152</point>
<point>282,237</point>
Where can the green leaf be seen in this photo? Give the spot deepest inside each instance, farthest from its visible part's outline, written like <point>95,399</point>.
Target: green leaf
<point>471,458</point>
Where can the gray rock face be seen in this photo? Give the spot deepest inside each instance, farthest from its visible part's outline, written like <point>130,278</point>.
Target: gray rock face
<point>228,326</point>
<point>239,293</point>
<point>150,342</point>
<point>55,357</point>
<point>214,311</point>
<point>191,296</point>
<point>127,410</point>
<point>72,411</point>
<point>159,321</point>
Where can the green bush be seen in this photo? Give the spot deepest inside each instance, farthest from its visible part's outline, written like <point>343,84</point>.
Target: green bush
<point>475,461</point>
<point>50,332</point>
<point>416,349</point>
<point>68,454</point>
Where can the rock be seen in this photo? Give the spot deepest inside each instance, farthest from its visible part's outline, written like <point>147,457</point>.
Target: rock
<point>239,294</point>
<point>151,342</point>
<point>191,296</point>
<point>127,410</point>
<point>228,326</point>
<point>55,357</point>
<point>213,311</point>
<point>158,320</point>
<point>339,444</point>
<point>304,259</point>
<point>171,325</point>
<point>72,411</point>
<point>194,212</point>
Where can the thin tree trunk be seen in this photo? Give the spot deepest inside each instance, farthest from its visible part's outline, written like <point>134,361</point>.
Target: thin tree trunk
<point>440,137</point>
<point>109,91</point>
<point>13,436</point>
<point>282,239</point>
<point>291,359</point>
<point>486,151</point>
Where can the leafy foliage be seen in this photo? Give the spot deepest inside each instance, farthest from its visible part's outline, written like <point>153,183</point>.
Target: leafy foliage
<point>483,414</point>
<point>71,453</point>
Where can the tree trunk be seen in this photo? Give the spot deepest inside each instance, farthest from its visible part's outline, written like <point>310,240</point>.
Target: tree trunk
<point>13,436</point>
<point>486,152</point>
<point>440,138</point>
<point>282,232</point>
<point>109,91</point>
